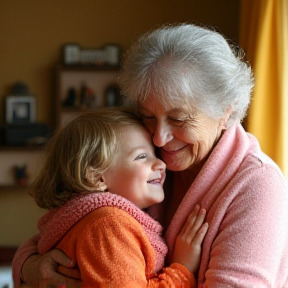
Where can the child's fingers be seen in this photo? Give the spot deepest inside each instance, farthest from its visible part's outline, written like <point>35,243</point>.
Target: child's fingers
<point>192,227</point>
<point>190,220</point>
<point>199,220</point>
<point>200,234</point>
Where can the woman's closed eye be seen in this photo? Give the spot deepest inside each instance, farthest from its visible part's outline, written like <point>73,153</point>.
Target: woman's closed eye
<point>141,156</point>
<point>177,121</point>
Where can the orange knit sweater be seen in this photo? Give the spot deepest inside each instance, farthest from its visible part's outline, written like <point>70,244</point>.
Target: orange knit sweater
<point>111,247</point>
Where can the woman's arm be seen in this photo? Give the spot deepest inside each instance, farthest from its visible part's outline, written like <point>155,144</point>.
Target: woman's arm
<point>250,246</point>
<point>22,254</point>
<point>41,270</point>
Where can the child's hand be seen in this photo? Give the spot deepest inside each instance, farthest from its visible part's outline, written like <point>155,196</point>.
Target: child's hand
<point>187,249</point>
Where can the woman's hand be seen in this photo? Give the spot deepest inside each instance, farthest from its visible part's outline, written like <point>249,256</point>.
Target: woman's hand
<point>41,271</point>
<point>187,249</point>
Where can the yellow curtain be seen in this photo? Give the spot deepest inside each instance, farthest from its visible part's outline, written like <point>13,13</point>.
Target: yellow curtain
<point>264,38</point>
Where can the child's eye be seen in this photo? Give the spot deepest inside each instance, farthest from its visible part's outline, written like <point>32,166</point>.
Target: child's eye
<point>141,156</point>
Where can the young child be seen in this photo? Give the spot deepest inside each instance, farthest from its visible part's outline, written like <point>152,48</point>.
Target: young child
<point>100,172</point>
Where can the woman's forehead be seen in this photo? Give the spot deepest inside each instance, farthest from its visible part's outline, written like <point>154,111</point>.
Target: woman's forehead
<point>172,107</point>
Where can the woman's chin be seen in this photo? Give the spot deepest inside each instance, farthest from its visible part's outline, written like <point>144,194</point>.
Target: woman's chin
<point>177,166</point>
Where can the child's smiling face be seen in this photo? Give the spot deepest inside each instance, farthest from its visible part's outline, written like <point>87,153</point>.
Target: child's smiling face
<point>137,174</point>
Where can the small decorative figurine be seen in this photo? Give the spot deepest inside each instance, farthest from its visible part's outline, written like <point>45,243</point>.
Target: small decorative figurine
<point>21,175</point>
<point>70,100</point>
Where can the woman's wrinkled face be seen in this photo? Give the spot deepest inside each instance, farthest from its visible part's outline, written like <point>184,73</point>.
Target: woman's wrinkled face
<point>184,136</point>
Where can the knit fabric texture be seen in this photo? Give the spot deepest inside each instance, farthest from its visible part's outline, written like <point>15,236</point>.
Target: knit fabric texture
<point>112,242</point>
<point>246,198</point>
<point>55,224</point>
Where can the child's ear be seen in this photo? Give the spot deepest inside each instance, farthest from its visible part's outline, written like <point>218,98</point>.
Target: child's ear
<point>90,175</point>
<point>101,185</point>
<point>96,181</point>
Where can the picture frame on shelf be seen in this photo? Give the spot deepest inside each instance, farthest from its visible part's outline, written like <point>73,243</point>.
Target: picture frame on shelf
<point>20,109</point>
<point>92,57</point>
<point>112,54</point>
<point>71,53</point>
<point>74,54</point>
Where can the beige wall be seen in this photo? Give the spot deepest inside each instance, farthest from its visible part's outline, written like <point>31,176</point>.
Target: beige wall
<point>31,35</point>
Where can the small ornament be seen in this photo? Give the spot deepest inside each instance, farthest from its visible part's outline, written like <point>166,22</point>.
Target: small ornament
<point>21,175</point>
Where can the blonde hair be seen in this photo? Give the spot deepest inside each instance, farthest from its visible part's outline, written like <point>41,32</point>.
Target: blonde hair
<point>87,143</point>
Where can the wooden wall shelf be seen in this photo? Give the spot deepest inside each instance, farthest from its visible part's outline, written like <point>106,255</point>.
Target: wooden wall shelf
<point>88,67</point>
<point>13,187</point>
<point>20,148</point>
<point>96,78</point>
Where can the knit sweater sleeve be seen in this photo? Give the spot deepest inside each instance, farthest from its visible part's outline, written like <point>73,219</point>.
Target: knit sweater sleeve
<point>22,254</point>
<point>115,251</point>
<point>251,243</point>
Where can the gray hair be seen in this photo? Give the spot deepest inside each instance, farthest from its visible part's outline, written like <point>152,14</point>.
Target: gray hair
<point>188,63</point>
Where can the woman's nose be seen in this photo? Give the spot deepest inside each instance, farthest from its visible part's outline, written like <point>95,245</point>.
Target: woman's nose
<point>162,135</point>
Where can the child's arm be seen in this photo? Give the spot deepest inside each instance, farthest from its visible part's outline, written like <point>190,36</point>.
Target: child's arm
<point>187,249</point>
<point>113,249</point>
<point>186,255</point>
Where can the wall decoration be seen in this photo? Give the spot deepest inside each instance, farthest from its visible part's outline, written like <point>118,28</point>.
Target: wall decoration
<point>71,54</point>
<point>74,54</point>
<point>112,54</point>
<point>20,109</point>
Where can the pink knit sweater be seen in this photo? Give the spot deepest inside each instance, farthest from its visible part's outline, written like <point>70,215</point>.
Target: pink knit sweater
<point>246,197</point>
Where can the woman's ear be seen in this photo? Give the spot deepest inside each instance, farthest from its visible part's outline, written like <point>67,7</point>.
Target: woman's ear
<point>224,120</point>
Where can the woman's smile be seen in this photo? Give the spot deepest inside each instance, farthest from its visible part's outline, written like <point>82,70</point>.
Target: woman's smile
<point>173,150</point>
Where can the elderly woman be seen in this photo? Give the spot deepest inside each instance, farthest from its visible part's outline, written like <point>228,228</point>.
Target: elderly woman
<point>192,90</point>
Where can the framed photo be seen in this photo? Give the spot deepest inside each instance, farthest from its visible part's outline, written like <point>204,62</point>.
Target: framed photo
<point>71,54</point>
<point>92,57</point>
<point>112,54</point>
<point>20,109</point>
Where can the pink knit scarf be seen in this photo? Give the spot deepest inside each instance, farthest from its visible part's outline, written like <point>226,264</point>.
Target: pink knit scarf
<point>55,223</point>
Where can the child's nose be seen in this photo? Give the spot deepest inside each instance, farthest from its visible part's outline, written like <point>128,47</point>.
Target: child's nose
<point>159,165</point>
